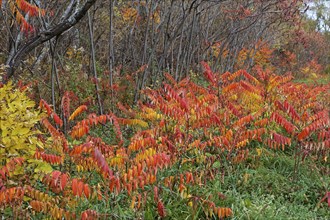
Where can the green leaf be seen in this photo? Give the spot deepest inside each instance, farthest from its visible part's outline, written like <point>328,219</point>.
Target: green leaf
<point>216,164</point>
<point>43,167</point>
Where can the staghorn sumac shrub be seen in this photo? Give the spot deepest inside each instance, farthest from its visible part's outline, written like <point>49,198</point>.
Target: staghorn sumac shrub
<point>179,140</point>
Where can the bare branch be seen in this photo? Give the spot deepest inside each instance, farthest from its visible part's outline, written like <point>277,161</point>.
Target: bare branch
<point>46,35</point>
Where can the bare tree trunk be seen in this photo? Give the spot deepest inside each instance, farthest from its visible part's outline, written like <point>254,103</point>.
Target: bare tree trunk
<point>54,75</point>
<point>189,53</point>
<point>179,54</point>
<point>111,51</point>
<point>53,84</point>
<point>91,35</point>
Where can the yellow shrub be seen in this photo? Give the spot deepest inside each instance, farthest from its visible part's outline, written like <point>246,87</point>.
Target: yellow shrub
<point>18,118</point>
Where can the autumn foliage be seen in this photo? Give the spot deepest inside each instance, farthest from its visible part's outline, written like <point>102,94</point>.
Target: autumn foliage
<point>156,149</point>
<point>22,8</point>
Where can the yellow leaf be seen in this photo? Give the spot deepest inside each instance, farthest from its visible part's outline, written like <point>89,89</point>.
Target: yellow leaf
<point>246,177</point>
<point>21,131</point>
<point>43,167</point>
<point>259,152</point>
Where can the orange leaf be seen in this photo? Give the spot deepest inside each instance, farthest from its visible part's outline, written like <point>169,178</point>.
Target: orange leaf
<point>86,190</point>
<point>36,205</point>
<point>220,213</point>
<point>78,111</point>
<point>80,188</point>
<point>75,186</point>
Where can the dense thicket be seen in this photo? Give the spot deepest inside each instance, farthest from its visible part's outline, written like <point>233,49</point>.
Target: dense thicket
<point>169,35</point>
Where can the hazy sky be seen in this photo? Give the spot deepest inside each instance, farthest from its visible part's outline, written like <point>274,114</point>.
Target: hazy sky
<point>310,12</point>
<point>324,22</point>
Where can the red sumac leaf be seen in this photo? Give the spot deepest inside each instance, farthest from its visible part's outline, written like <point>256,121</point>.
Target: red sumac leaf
<point>161,209</point>
<point>66,105</point>
<point>55,176</point>
<point>89,215</point>
<point>57,119</point>
<point>102,163</point>
<point>44,104</point>
<point>64,179</point>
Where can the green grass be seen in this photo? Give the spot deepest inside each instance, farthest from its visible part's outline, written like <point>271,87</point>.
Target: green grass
<point>321,80</point>
<point>259,188</point>
<point>264,188</point>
